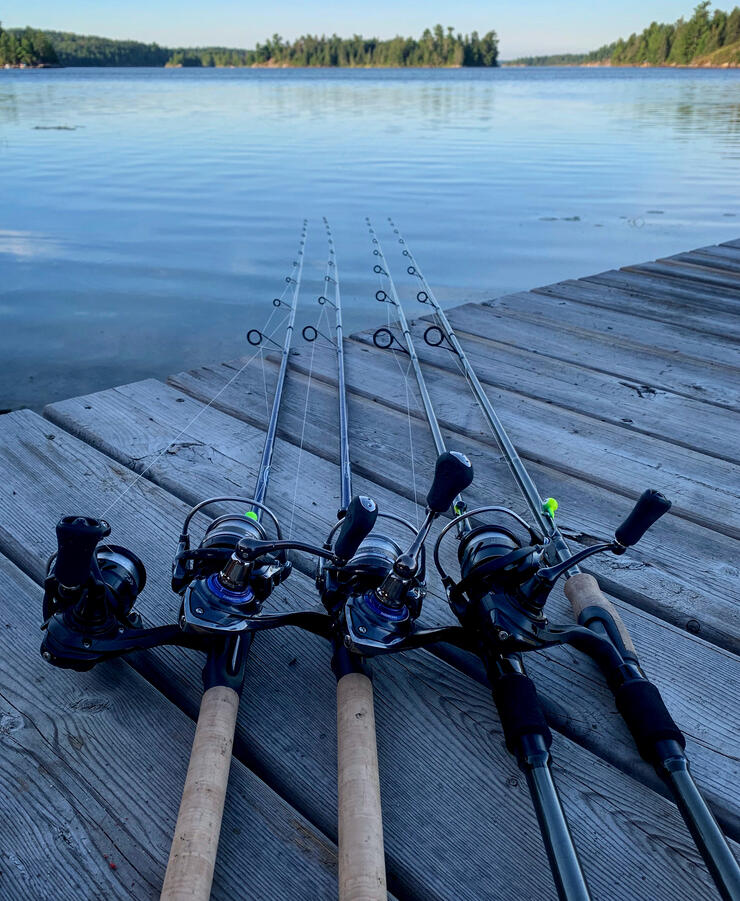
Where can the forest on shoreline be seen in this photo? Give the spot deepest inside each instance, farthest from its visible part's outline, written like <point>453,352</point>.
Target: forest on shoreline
<point>437,47</point>
<point>26,47</point>
<point>703,40</point>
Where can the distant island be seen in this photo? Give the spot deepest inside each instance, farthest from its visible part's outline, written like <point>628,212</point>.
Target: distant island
<point>704,40</point>
<point>436,47</point>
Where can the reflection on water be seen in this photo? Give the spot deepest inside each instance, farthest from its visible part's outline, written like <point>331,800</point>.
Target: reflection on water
<point>148,216</point>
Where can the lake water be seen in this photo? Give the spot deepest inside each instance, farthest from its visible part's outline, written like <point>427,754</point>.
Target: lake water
<point>148,217</point>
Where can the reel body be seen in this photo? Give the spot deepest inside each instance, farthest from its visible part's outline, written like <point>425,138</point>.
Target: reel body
<point>505,580</point>
<point>494,600</point>
<point>350,593</point>
<point>373,590</point>
<point>222,587</point>
<point>89,593</point>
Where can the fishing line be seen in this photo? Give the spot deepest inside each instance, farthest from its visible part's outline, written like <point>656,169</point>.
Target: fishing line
<point>277,303</point>
<point>431,300</point>
<point>381,272</point>
<point>317,328</point>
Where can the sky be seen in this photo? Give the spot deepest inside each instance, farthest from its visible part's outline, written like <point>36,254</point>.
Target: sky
<point>526,27</point>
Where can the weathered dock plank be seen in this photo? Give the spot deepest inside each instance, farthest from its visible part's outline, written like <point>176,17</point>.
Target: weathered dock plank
<point>609,431</point>
<point>565,330</point>
<point>92,768</point>
<point>680,270</point>
<point>432,720</point>
<point>225,455</point>
<point>725,260</point>
<point>650,299</point>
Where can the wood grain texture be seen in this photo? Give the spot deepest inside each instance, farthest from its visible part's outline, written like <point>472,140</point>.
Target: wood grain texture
<point>723,260</point>
<point>572,405</point>
<point>221,450</point>
<point>727,280</point>
<point>650,298</point>
<point>192,859</point>
<point>91,770</point>
<point>604,341</point>
<point>441,754</point>
<point>361,855</point>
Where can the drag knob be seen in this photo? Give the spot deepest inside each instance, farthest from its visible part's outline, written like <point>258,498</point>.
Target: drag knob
<point>77,538</point>
<point>453,472</point>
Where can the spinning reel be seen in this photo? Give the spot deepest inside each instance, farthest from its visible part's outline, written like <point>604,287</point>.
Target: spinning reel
<point>505,579</point>
<point>226,579</point>
<point>374,590</point>
<point>89,594</point>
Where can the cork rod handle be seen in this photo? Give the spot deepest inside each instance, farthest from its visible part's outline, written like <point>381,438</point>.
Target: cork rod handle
<point>193,854</point>
<point>361,856</point>
<point>585,596</point>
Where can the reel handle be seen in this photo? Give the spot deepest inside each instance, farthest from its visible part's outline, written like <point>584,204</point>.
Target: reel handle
<point>650,506</point>
<point>356,526</point>
<point>453,472</point>
<point>77,538</point>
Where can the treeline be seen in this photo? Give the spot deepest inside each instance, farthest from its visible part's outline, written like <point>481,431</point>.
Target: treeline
<point>704,39</point>
<point>682,43</point>
<point>26,47</point>
<point>566,59</point>
<point>88,50</point>
<point>436,47</point>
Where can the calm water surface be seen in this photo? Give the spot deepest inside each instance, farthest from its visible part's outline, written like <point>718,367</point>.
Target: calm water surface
<point>148,217</point>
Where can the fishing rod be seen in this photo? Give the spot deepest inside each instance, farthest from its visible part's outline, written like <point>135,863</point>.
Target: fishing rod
<point>372,593</point>
<point>508,580</point>
<point>530,747</point>
<point>90,590</point>
<point>385,339</point>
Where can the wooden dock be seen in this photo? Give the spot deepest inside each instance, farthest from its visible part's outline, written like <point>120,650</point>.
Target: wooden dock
<point>608,385</point>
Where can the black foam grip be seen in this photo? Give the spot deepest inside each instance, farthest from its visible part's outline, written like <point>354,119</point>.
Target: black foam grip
<point>650,506</point>
<point>520,710</point>
<point>77,538</point>
<point>356,526</point>
<point>646,716</point>
<point>453,472</point>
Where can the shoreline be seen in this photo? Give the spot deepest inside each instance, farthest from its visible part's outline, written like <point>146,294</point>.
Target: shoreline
<point>504,65</point>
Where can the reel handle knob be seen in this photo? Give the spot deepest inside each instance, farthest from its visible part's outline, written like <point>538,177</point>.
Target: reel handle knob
<point>356,526</point>
<point>650,506</point>
<point>77,538</point>
<point>453,472</point>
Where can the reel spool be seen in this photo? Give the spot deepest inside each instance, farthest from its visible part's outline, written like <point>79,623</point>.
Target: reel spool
<point>95,582</point>
<point>374,558</point>
<point>89,593</point>
<point>494,558</point>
